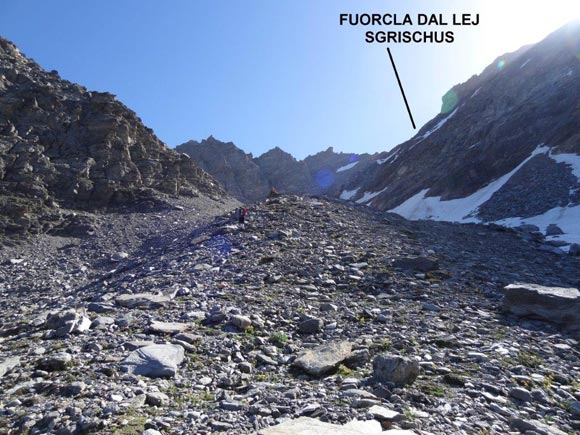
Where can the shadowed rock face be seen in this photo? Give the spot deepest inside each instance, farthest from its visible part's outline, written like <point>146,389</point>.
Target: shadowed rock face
<point>64,147</point>
<point>488,126</point>
<point>236,171</point>
<point>251,179</point>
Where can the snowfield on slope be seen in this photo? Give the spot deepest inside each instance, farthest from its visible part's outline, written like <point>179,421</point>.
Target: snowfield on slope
<point>464,210</point>
<point>456,210</point>
<point>347,167</point>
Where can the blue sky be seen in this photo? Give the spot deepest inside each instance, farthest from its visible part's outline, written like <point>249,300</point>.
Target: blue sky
<point>267,73</point>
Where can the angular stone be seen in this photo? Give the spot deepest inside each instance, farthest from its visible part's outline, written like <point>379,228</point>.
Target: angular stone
<point>241,322</point>
<point>8,364</point>
<point>535,426</point>
<point>157,327</point>
<point>310,325</point>
<point>157,399</point>
<point>554,304</point>
<point>324,358</point>
<point>56,362</point>
<point>521,394</point>
<point>417,264</point>
<point>66,322</point>
<point>312,426</point>
<point>396,369</point>
<point>188,337</point>
<point>381,413</point>
<point>143,300</point>
<point>155,361</point>
<point>553,230</point>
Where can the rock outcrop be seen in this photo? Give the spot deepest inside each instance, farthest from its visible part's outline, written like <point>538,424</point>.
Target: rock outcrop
<point>236,171</point>
<point>553,304</point>
<point>251,179</point>
<point>63,147</point>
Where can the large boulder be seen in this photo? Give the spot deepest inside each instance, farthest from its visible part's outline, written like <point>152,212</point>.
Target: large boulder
<point>143,300</point>
<point>8,364</point>
<point>154,361</point>
<point>555,304</point>
<point>416,263</point>
<point>66,322</point>
<point>312,426</point>
<point>324,358</point>
<point>395,369</point>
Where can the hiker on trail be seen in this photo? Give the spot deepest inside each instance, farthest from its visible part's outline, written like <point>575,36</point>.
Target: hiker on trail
<point>242,212</point>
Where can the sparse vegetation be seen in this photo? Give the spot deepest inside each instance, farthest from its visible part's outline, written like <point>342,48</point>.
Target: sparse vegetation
<point>278,338</point>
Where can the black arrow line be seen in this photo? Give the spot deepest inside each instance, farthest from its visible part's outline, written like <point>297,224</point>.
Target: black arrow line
<point>401,87</point>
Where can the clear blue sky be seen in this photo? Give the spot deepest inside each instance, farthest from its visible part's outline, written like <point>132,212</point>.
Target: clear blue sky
<point>265,73</point>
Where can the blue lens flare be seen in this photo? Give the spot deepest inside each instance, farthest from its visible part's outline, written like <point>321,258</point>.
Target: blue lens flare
<point>324,178</point>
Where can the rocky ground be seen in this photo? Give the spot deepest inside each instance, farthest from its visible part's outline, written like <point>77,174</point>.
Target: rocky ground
<point>238,317</point>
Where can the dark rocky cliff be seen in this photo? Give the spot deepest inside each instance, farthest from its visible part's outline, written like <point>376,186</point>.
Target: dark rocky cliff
<point>487,127</point>
<point>63,147</point>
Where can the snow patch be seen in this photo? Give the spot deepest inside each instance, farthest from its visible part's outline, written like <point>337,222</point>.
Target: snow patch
<point>347,167</point>
<point>456,210</point>
<point>348,194</point>
<point>369,196</point>
<point>567,218</point>
<point>437,127</point>
<point>525,63</point>
<point>475,93</point>
<point>393,157</point>
<point>572,160</point>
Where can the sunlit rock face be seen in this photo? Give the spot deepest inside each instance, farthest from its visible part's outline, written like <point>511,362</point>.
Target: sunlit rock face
<point>519,117</point>
<point>63,147</point>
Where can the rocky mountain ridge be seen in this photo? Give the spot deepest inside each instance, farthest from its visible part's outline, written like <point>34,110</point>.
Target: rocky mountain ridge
<point>505,147</point>
<point>63,148</point>
<point>251,178</point>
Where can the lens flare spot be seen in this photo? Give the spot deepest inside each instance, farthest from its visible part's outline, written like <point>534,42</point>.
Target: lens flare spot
<point>353,158</point>
<point>449,101</point>
<point>324,178</point>
<point>500,64</point>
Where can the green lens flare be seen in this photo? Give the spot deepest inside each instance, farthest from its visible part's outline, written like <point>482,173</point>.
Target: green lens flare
<point>449,101</point>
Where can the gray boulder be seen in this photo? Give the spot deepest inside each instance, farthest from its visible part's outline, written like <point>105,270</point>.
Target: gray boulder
<point>309,426</point>
<point>143,300</point>
<point>535,426</point>
<point>417,264</point>
<point>56,362</point>
<point>310,325</point>
<point>9,364</point>
<point>154,361</point>
<point>324,358</point>
<point>241,322</point>
<point>553,230</point>
<point>396,369</point>
<point>554,304</point>
<point>157,327</point>
<point>66,322</point>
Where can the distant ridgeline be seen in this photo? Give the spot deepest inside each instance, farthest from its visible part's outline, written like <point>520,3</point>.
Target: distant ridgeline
<point>251,179</point>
